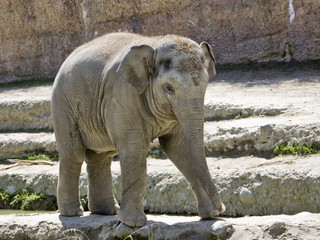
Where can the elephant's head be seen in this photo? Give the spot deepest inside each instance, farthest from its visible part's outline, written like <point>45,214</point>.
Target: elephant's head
<point>173,75</point>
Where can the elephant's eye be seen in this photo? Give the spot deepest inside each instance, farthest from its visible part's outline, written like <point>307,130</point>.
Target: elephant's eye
<point>167,64</point>
<point>168,89</point>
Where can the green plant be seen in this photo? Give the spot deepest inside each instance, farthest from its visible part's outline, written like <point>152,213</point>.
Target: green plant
<point>25,198</point>
<point>4,199</point>
<point>84,202</point>
<point>212,236</point>
<point>4,195</point>
<point>157,153</point>
<point>295,149</point>
<point>24,83</point>
<point>242,115</point>
<point>34,130</point>
<point>43,156</point>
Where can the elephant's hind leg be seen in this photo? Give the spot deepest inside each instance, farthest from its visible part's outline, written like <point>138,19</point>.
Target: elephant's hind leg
<point>68,188</point>
<point>71,152</point>
<point>101,198</point>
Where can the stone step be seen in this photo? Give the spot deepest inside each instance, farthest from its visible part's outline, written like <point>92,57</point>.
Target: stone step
<point>25,108</point>
<point>248,185</point>
<point>223,137</point>
<point>302,226</point>
<point>227,111</point>
<point>261,134</point>
<point>36,114</point>
<point>25,115</point>
<point>30,108</point>
<point>14,145</point>
<point>249,135</point>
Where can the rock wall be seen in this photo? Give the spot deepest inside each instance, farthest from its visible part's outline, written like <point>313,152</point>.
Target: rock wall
<point>37,35</point>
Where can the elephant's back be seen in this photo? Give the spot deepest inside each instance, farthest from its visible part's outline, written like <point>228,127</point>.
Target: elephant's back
<point>92,58</point>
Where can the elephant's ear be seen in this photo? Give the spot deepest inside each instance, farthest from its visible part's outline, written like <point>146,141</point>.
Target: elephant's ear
<point>209,59</point>
<point>135,66</point>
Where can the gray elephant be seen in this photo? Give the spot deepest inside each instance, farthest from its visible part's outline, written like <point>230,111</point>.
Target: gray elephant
<point>116,94</point>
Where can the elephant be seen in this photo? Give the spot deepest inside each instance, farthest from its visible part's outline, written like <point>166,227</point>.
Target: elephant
<point>115,95</point>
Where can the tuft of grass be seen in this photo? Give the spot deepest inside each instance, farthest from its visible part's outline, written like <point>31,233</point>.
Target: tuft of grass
<point>295,150</point>
<point>240,115</point>
<point>84,202</point>
<point>24,199</point>
<point>33,130</point>
<point>156,153</point>
<point>42,156</point>
<point>27,199</point>
<point>212,236</point>
<point>24,83</point>
<point>5,199</point>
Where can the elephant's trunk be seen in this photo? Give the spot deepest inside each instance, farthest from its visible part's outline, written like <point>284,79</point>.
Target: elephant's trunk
<point>191,119</point>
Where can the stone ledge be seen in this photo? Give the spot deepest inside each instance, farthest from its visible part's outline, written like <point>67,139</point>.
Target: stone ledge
<point>29,108</point>
<point>20,144</point>
<point>248,185</point>
<point>249,135</point>
<point>33,115</point>
<point>26,113</point>
<point>303,226</point>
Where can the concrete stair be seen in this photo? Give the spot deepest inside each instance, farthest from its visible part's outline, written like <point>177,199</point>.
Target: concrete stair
<point>302,226</point>
<point>247,115</point>
<point>243,117</point>
<point>257,135</point>
<point>248,185</point>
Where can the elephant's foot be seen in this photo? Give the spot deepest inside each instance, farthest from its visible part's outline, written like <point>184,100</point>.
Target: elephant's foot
<point>106,206</point>
<point>71,211</point>
<point>104,209</point>
<point>208,211</point>
<point>132,218</point>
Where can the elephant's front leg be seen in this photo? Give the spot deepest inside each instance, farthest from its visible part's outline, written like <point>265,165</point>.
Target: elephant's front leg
<point>133,175</point>
<point>175,147</point>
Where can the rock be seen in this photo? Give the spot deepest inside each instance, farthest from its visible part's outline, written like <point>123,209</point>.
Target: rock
<point>11,189</point>
<point>247,197</point>
<point>222,229</point>
<point>42,34</point>
<point>276,227</point>
<point>122,231</point>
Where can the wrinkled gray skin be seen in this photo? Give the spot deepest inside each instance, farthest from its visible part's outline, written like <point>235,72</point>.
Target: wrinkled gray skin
<point>116,94</point>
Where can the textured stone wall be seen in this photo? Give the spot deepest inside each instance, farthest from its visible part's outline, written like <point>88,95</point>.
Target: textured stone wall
<point>37,35</point>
